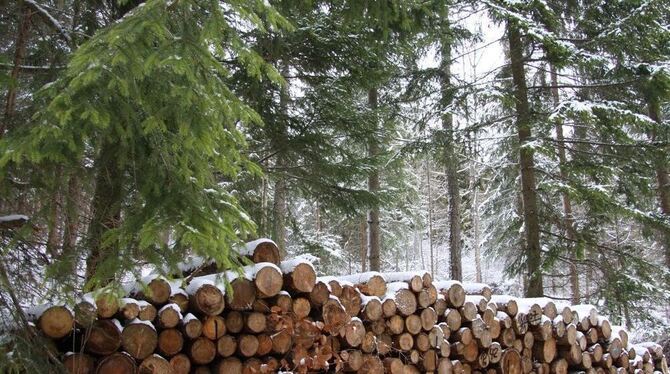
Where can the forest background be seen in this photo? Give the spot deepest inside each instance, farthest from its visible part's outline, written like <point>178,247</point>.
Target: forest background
<point>519,143</point>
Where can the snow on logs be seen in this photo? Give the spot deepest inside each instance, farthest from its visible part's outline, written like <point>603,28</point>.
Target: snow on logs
<point>278,316</point>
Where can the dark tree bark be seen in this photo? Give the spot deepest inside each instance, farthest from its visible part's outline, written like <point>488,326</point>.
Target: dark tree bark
<point>279,207</point>
<point>451,161</point>
<point>19,55</point>
<point>662,180</point>
<point>568,219</point>
<point>373,187</point>
<point>363,243</point>
<point>533,251</point>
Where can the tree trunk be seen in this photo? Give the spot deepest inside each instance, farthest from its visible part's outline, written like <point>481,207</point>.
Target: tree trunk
<point>430,219</point>
<point>474,213</point>
<point>363,243</point>
<point>663,181</point>
<point>373,187</point>
<point>19,55</point>
<point>451,160</point>
<point>71,227</point>
<point>279,208</point>
<point>105,208</point>
<point>526,164</point>
<point>568,219</point>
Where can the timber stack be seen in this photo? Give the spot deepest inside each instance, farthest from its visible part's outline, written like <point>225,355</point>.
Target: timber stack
<point>279,316</point>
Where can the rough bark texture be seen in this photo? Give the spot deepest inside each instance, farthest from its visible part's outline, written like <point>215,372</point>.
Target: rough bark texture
<point>363,244</point>
<point>662,180</point>
<point>526,164</point>
<point>568,219</point>
<point>373,187</point>
<point>279,207</point>
<point>19,55</point>
<point>451,161</point>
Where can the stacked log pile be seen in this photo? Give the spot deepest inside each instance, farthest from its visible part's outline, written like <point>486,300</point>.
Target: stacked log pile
<point>279,316</point>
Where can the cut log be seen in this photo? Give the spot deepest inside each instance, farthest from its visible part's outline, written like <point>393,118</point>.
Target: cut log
<point>396,325</point>
<point>453,319</point>
<point>226,346</point>
<point>191,327</point>
<point>427,296</point>
<point>264,345</point>
<point>116,363</point>
<point>467,352</point>
<point>405,302</point>
<point>157,291</point>
<point>298,276</point>
<point>170,342</point>
<point>353,359</point>
<point>389,307</point>
<point>403,342</point>
<point>169,316</point>
<point>481,289</point>
<point>262,250</point>
<point>545,351</point>
<point>301,307</point>
<point>230,365</point>
<point>334,316</point>
<point>56,322</point>
<point>78,363</point>
<point>107,305</point>
<point>429,361</point>
<point>180,298</point>
<point>155,364</point>
<point>510,363</point>
<point>413,324</point>
<point>320,293</point>
<point>139,339</point>
<point>305,333</point>
<point>104,337</point>
<point>202,351</point>
<point>148,312</point>
<point>372,364</point>
<point>372,308</point>
<point>129,309</point>
<point>281,342</point>
<point>453,292</point>
<point>206,299</point>
<point>234,322</point>
<point>354,332</point>
<point>85,314</point>
<point>247,345</point>
<point>370,283</point>
<point>351,300</point>
<point>506,304</point>
<point>213,327</point>
<point>256,323</point>
<point>284,301</point>
<point>393,365</point>
<point>243,296</point>
<point>180,364</point>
